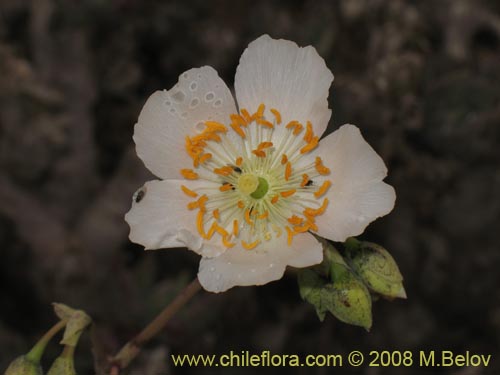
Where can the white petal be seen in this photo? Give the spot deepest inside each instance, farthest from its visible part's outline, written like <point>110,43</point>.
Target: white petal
<point>357,195</point>
<point>281,75</point>
<point>160,219</point>
<point>238,266</point>
<point>168,116</point>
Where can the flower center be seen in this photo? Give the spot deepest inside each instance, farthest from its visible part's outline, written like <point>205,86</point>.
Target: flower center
<point>252,185</point>
<point>260,182</point>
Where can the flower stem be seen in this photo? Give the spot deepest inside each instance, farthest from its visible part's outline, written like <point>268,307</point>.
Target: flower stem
<point>131,349</point>
<point>36,353</point>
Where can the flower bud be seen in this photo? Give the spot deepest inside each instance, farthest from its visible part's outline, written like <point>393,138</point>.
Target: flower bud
<point>376,267</point>
<point>347,298</point>
<point>64,364</point>
<point>24,365</point>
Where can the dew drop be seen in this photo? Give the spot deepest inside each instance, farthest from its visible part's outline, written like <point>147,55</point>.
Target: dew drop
<point>193,86</point>
<point>179,96</point>
<point>185,76</point>
<point>194,102</point>
<point>210,96</point>
<point>217,103</point>
<point>200,126</point>
<point>172,110</point>
<point>168,103</point>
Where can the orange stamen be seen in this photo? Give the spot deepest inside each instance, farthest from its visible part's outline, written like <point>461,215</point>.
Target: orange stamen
<point>250,246</point>
<point>322,170</point>
<point>226,243</point>
<point>241,204</point>
<point>214,126</point>
<point>274,200</point>
<point>226,187</point>
<point>238,130</point>
<point>288,193</point>
<point>323,188</point>
<point>295,220</point>
<point>239,161</point>
<point>189,192</point>
<point>284,159</point>
<point>309,132</point>
<point>263,122</point>
<point>238,120</point>
<point>288,171</point>
<point>259,153</point>
<point>305,180</point>
<point>224,171</point>
<point>216,214</point>
<point>264,145</point>
<point>235,228</point>
<point>277,115</point>
<point>199,223</point>
<point>247,217</point>
<point>265,215</point>
<point>189,174</point>
<point>310,146</point>
<point>205,157</point>
<point>246,115</point>
<point>260,111</point>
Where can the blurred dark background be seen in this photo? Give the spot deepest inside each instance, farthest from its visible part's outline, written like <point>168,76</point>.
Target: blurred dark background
<point>420,78</point>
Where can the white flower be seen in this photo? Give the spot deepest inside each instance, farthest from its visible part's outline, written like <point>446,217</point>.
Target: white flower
<point>245,188</point>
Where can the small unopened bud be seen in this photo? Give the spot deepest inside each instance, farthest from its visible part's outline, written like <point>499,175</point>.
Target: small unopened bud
<point>376,267</point>
<point>23,365</point>
<point>347,298</point>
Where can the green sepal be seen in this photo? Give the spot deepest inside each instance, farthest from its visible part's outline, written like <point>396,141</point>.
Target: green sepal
<point>376,267</point>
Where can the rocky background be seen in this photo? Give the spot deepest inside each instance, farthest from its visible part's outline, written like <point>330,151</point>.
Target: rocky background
<point>422,81</point>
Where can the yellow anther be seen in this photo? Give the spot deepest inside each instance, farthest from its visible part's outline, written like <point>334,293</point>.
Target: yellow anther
<point>237,129</point>
<point>288,171</point>
<point>263,122</point>
<point>251,245</point>
<point>309,132</point>
<point>226,187</point>
<point>323,188</point>
<point>246,115</point>
<point>189,174</point>
<point>305,180</point>
<point>322,170</point>
<point>259,153</point>
<point>310,146</point>
<point>203,158</point>
<point>216,214</point>
<point>238,120</point>
<point>260,111</point>
<point>247,217</point>
<point>188,192</point>
<point>241,204</point>
<point>264,145</point>
<point>223,171</point>
<point>235,228</point>
<point>288,193</point>
<point>295,220</point>
<point>265,215</point>
<point>214,126</point>
<point>277,115</point>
